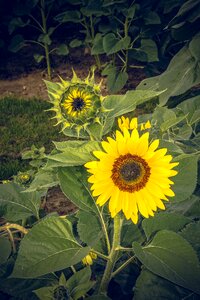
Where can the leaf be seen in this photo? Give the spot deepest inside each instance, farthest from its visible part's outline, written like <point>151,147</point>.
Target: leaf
<point>150,48</point>
<point>182,73</point>
<point>116,80</point>
<point>69,16</point>
<point>191,234</point>
<point>194,47</point>
<point>44,38</point>
<point>190,108</point>
<point>151,18</point>
<point>42,181</point>
<point>90,230</point>
<point>189,207</point>
<point>112,44</point>
<point>38,58</point>
<point>131,233</point>
<point>22,288</point>
<point>48,247</point>
<point>5,247</point>
<point>74,153</point>
<point>149,286</point>
<point>168,221</point>
<point>97,47</point>
<point>73,182</point>
<point>171,257</point>
<point>62,49</point>
<point>184,185</point>
<point>45,293</point>
<point>75,43</point>
<point>122,104</point>
<point>16,43</point>
<point>17,204</point>
<point>79,283</point>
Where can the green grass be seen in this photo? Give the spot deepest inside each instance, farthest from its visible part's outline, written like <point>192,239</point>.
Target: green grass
<point>22,124</point>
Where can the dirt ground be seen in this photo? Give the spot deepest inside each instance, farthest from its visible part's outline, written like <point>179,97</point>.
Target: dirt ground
<point>20,79</point>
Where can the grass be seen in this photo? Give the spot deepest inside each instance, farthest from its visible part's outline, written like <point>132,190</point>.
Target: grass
<point>22,124</point>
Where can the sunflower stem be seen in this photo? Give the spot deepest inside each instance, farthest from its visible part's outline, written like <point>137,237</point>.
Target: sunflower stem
<point>112,257</point>
<point>124,265</point>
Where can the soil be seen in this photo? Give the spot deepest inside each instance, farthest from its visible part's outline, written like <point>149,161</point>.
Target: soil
<point>19,77</point>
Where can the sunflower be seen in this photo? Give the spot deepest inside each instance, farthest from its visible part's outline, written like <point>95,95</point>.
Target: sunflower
<point>76,103</point>
<point>132,174</point>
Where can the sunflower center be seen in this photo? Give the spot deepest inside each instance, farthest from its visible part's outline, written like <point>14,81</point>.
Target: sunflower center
<point>130,173</point>
<point>78,104</point>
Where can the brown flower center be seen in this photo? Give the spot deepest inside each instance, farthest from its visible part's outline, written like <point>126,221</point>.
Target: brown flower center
<point>78,104</point>
<point>130,173</point>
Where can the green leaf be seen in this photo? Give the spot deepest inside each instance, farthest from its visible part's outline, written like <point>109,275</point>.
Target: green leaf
<point>42,181</point>
<point>171,257</point>
<point>75,43</point>
<point>97,47</point>
<point>150,48</point>
<point>112,44</point>
<point>17,204</point>
<point>16,43</point>
<point>73,182</point>
<point>186,179</point>
<point>22,288</point>
<point>122,104</point>
<point>79,283</point>
<point>194,47</point>
<point>182,73</point>
<point>171,122</point>
<point>116,80</point>
<point>90,230</point>
<point>189,207</point>
<point>38,58</point>
<point>99,297</point>
<point>48,247</point>
<point>190,108</point>
<point>149,286</point>
<point>44,39</point>
<point>69,16</point>
<point>45,293</point>
<point>191,234</point>
<point>62,49</point>
<point>131,233</point>
<point>151,18</point>
<point>168,221</point>
<point>5,247</point>
<point>74,153</point>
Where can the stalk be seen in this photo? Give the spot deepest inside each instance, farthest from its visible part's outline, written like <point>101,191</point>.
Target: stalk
<point>113,255</point>
<point>46,46</point>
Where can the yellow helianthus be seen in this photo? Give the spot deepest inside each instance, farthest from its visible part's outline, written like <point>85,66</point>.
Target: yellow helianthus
<point>132,175</point>
<point>77,102</point>
<point>88,259</point>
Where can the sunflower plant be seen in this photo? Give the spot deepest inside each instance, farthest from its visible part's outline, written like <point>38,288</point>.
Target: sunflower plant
<point>133,233</point>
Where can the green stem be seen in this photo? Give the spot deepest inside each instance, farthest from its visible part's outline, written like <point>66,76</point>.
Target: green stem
<point>124,265</point>
<point>46,46</point>
<point>104,230</point>
<point>113,255</point>
<point>97,58</point>
<point>126,51</point>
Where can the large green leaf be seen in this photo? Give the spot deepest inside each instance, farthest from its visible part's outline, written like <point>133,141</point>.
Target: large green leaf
<point>150,48</point>
<point>73,182</point>
<point>122,104</point>
<point>42,181</point>
<point>182,73</point>
<point>169,221</point>
<point>90,230</point>
<point>171,257</point>
<point>73,153</point>
<point>5,247</point>
<point>191,108</point>
<point>116,79</point>
<point>130,234</point>
<point>112,44</point>
<point>191,234</point>
<point>186,179</point>
<point>18,205</point>
<point>149,286</point>
<point>189,207</point>
<point>79,283</point>
<point>48,247</point>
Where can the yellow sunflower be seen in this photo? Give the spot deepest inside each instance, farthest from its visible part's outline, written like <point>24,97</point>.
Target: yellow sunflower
<point>132,175</point>
<point>77,102</point>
